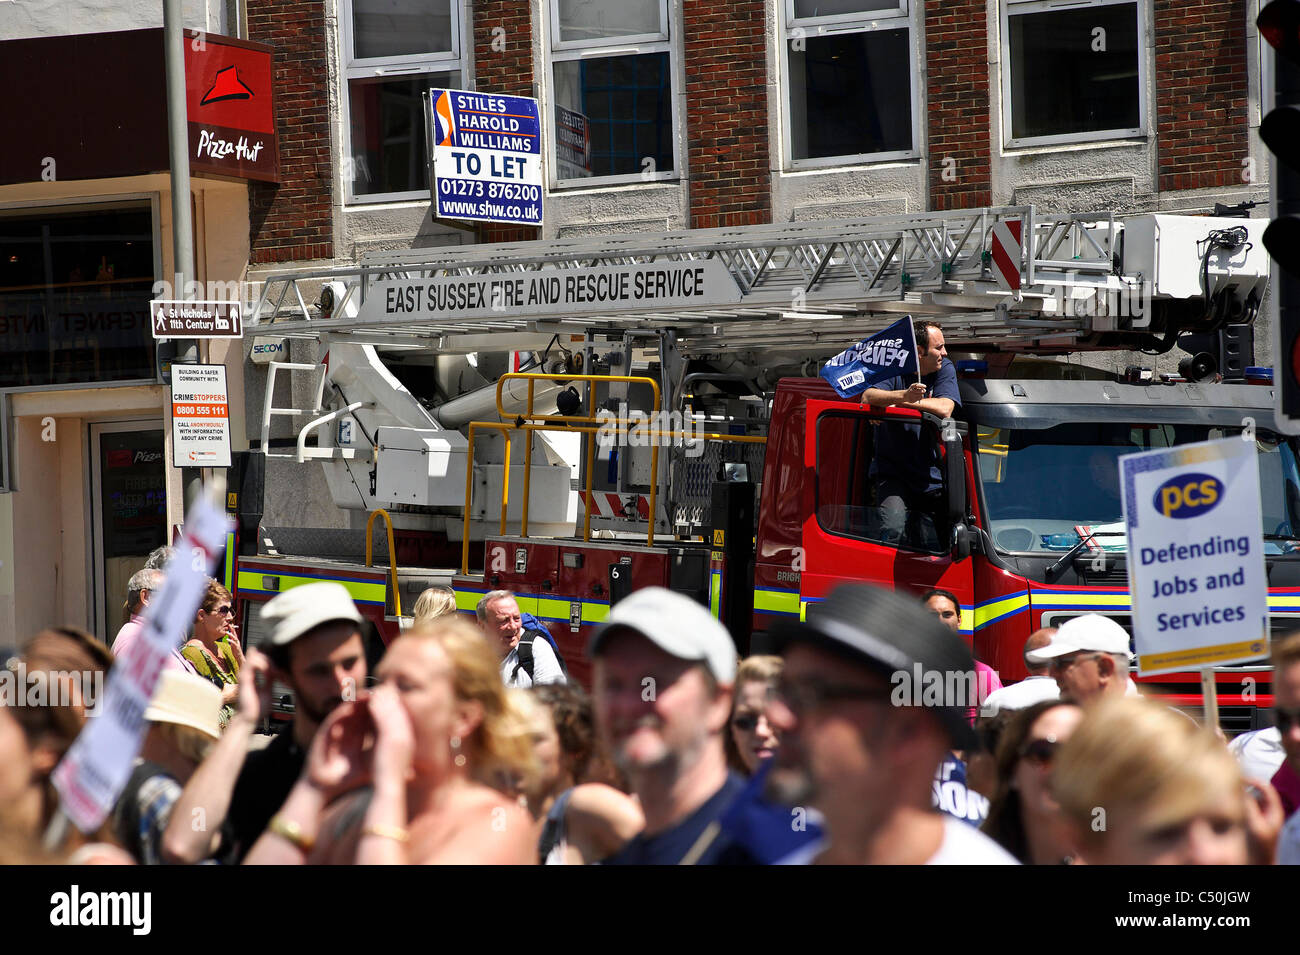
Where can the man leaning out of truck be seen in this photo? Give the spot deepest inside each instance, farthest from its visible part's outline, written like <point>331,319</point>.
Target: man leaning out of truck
<point>905,468</point>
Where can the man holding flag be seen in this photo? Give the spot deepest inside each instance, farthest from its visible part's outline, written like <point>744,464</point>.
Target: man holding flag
<point>904,366</point>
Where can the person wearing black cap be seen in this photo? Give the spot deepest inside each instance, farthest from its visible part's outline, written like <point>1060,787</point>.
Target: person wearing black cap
<point>864,729</point>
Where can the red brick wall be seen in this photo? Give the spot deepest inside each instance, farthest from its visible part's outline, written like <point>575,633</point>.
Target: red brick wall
<point>726,121</point>
<point>507,69</point>
<point>957,103</point>
<point>294,220</point>
<point>1201,94</point>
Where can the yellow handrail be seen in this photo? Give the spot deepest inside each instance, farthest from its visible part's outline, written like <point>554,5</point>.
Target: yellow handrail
<point>531,377</point>
<point>392,553</point>
<point>608,426</point>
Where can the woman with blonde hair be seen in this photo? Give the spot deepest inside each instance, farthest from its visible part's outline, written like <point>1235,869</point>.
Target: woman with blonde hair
<point>441,731</point>
<point>435,602</point>
<point>1139,784</point>
<point>751,738</point>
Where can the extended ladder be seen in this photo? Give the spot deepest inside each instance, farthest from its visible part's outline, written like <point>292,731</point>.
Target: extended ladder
<point>805,283</point>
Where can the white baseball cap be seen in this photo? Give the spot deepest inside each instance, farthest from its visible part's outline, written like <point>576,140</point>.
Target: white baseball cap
<point>675,624</point>
<point>1091,632</point>
<point>296,611</point>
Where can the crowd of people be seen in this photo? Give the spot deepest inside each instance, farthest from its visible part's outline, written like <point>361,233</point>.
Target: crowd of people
<point>470,743</point>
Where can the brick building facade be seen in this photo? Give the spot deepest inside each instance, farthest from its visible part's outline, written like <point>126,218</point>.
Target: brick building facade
<point>702,115</point>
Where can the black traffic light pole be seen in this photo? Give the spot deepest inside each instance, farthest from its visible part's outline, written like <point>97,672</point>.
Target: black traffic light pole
<point>1284,244</point>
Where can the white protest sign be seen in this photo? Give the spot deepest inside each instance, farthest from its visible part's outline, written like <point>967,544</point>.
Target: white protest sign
<point>1195,555</point>
<point>97,766</point>
<point>200,417</point>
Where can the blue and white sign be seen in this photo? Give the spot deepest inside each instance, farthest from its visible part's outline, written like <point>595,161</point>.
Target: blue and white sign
<point>884,355</point>
<point>1195,555</point>
<point>487,157</point>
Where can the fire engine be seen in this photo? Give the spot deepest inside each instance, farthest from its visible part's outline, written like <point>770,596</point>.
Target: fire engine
<point>573,419</point>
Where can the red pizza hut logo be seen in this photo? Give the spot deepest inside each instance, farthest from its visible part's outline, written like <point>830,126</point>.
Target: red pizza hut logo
<point>226,86</point>
<point>118,459</point>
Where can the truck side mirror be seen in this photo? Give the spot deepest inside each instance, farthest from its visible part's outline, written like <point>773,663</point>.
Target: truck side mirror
<point>960,542</point>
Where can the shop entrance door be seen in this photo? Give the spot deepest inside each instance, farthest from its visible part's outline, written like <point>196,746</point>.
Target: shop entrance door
<point>129,511</point>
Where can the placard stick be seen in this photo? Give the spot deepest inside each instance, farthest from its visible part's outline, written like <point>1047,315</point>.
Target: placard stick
<point>1210,694</point>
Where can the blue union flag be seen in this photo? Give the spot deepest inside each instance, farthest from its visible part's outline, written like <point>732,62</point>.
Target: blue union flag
<point>886,354</point>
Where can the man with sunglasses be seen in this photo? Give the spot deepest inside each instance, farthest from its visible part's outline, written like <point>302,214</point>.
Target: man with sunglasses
<point>860,751</point>
<point>1089,657</point>
<point>139,589</point>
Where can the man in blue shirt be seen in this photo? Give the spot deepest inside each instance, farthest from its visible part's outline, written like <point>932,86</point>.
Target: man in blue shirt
<point>661,693</point>
<point>905,467</point>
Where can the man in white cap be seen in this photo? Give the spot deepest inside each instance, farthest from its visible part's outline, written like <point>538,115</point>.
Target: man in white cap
<point>316,649</point>
<point>1035,688</point>
<point>663,670</point>
<point>1089,658</point>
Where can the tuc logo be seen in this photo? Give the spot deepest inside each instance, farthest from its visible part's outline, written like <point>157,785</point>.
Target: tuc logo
<point>1188,495</point>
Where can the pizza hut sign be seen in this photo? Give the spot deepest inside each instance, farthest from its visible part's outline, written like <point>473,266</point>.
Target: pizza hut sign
<point>230,108</point>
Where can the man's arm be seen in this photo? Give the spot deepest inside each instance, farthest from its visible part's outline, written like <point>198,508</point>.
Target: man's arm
<point>546,669</point>
<point>600,820</point>
<point>210,788</point>
<point>884,398</point>
<point>940,407</point>
<point>912,397</point>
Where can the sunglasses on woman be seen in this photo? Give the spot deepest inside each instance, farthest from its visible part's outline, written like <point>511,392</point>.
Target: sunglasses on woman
<point>1040,752</point>
<point>746,722</point>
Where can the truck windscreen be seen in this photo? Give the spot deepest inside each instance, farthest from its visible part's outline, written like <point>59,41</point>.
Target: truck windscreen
<point>1045,488</point>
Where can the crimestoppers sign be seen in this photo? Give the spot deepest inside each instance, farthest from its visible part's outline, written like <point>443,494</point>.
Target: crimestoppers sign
<point>200,417</point>
<point>1195,555</point>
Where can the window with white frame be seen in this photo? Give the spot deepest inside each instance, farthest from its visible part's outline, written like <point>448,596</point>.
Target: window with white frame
<point>613,110</point>
<point>394,52</point>
<point>1073,71</point>
<point>852,81</point>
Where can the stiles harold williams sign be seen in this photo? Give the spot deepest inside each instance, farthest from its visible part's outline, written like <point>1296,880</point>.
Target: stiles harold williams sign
<point>195,319</point>
<point>601,289</point>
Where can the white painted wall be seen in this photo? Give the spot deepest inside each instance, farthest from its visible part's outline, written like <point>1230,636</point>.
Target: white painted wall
<point>25,19</point>
<point>843,192</point>
<point>1120,176</point>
